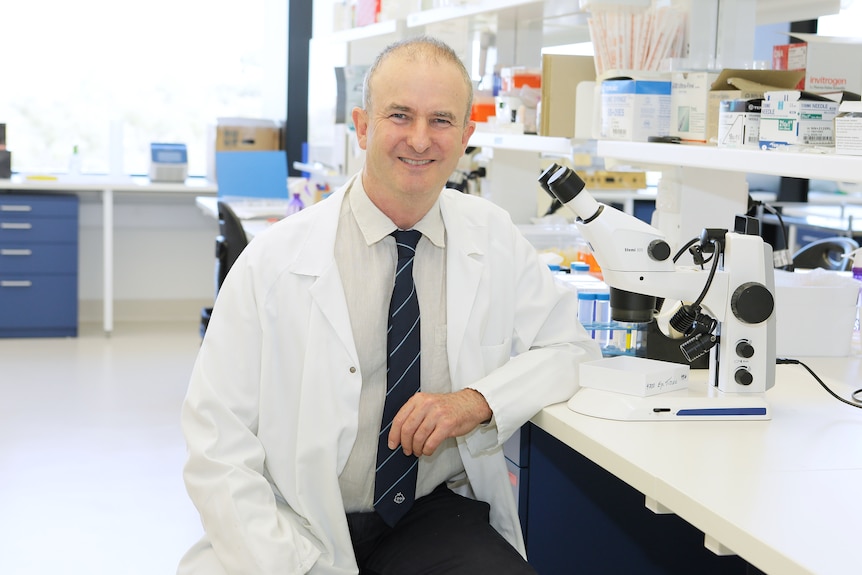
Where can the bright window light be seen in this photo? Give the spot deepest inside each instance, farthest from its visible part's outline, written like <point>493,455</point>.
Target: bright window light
<point>91,73</point>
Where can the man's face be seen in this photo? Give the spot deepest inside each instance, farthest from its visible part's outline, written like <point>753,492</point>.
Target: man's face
<point>414,130</point>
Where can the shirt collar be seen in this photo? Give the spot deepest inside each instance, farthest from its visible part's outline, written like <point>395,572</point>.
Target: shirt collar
<point>375,225</point>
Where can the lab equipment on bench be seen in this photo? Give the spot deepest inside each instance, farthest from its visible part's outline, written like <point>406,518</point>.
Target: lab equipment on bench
<point>168,162</point>
<point>726,311</point>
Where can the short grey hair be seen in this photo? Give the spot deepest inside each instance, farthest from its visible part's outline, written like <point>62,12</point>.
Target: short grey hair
<point>420,47</point>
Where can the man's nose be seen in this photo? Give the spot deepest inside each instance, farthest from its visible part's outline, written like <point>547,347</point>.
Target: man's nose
<point>420,136</point>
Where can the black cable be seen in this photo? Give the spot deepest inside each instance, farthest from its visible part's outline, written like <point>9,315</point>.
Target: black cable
<point>715,256</point>
<point>857,402</point>
<point>783,227</point>
<point>684,248</point>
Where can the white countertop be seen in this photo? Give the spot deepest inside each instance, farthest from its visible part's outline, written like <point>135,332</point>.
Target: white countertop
<point>782,494</point>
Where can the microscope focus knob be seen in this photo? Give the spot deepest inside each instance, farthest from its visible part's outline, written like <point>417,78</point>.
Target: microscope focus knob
<point>743,377</point>
<point>744,348</point>
<point>752,302</point>
<point>658,250</point>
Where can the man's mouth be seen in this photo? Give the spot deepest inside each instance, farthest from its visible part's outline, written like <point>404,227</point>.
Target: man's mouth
<point>416,162</point>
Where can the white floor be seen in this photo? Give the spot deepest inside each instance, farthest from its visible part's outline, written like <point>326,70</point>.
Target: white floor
<point>91,451</point>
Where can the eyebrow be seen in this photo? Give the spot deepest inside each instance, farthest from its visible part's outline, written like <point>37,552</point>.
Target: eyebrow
<point>399,108</point>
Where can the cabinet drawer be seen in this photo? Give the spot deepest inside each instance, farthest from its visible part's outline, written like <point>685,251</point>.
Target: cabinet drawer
<point>39,258</point>
<point>33,305</point>
<point>30,229</point>
<point>38,206</point>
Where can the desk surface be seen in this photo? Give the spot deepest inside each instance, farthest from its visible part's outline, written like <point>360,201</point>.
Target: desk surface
<point>95,183</point>
<point>783,494</point>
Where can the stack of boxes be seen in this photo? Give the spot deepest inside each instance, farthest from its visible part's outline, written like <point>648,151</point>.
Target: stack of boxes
<point>821,109</point>
<point>808,99</point>
<point>241,135</point>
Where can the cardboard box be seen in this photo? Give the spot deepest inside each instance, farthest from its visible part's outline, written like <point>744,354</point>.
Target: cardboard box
<point>561,74</point>
<point>736,84</point>
<point>689,93</point>
<point>246,135</point>
<point>634,109</point>
<point>848,129</point>
<point>634,375</point>
<point>830,63</point>
<point>792,117</point>
<point>609,180</point>
<point>241,135</point>
<point>739,123</point>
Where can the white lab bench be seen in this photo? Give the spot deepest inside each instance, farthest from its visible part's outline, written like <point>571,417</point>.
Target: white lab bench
<point>781,494</point>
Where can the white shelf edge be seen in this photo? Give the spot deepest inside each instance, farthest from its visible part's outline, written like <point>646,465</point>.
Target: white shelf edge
<point>362,32</point>
<point>833,167</point>
<point>523,142</point>
<point>436,15</point>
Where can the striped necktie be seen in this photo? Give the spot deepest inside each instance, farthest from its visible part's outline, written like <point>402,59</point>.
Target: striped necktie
<point>395,480</point>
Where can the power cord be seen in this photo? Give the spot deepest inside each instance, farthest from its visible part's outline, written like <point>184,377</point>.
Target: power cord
<point>857,401</point>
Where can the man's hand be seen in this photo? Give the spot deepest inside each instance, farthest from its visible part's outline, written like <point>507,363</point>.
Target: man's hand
<point>421,425</point>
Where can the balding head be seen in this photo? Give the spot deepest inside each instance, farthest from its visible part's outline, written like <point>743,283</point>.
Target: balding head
<point>417,49</point>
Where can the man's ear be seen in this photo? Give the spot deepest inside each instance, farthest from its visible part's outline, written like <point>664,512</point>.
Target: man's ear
<point>468,131</point>
<point>360,122</point>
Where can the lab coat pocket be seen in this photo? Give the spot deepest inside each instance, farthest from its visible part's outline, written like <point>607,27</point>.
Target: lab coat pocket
<point>493,356</point>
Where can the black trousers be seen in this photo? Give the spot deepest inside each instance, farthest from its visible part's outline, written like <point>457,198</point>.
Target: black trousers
<point>444,533</point>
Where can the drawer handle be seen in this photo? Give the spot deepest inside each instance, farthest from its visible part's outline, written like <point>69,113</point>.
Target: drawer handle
<point>15,208</point>
<point>12,252</point>
<point>16,226</point>
<point>15,283</point>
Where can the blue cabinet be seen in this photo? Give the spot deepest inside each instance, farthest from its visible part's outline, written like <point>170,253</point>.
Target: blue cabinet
<point>583,519</point>
<point>38,265</point>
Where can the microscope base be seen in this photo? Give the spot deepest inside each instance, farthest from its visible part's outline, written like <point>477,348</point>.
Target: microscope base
<point>699,402</point>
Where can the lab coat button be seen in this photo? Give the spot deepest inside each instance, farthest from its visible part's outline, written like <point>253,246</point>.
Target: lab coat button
<point>352,369</point>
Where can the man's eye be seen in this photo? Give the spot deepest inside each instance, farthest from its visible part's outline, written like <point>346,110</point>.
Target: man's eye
<point>442,122</point>
<point>398,116</point>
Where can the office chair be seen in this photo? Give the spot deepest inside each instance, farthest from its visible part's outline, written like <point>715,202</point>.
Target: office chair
<point>230,242</point>
<point>826,253</point>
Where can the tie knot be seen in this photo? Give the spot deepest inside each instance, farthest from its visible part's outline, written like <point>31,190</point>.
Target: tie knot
<point>406,241</point>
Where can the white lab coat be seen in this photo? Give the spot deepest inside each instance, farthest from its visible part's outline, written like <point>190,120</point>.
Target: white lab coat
<point>271,409</point>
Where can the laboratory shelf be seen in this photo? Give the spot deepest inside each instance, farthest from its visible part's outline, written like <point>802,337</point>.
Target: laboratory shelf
<point>437,15</point>
<point>813,165</point>
<point>523,142</point>
<point>364,32</point>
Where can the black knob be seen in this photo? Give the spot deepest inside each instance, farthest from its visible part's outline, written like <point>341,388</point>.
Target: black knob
<point>743,377</point>
<point>752,303</point>
<point>659,250</point>
<point>744,348</point>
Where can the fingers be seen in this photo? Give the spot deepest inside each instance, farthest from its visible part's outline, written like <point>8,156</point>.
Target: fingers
<point>414,427</point>
<point>426,420</point>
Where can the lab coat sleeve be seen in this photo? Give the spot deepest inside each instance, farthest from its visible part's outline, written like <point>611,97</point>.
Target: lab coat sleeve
<point>541,365</point>
<point>249,527</point>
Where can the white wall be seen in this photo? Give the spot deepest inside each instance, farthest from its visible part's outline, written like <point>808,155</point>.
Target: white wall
<point>164,257</point>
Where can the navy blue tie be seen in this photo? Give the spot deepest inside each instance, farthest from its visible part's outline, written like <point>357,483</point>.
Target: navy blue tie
<point>395,479</point>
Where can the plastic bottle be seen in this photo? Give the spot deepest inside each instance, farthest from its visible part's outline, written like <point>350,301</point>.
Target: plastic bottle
<point>856,269</point>
<point>295,204</point>
<point>75,162</point>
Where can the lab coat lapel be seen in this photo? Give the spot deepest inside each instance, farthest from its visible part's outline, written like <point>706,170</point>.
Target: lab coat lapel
<point>465,247</point>
<point>317,259</point>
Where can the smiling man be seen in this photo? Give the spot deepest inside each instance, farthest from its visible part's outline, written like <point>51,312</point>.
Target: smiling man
<point>309,389</point>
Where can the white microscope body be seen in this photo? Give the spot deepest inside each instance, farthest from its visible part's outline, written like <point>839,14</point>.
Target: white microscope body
<point>636,257</point>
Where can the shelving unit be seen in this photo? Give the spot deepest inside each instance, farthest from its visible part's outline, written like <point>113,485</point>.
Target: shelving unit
<point>449,13</point>
<point>523,142</point>
<point>812,165</point>
<point>366,32</point>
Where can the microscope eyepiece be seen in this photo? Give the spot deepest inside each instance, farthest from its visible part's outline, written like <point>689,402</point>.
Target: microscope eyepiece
<point>565,184</point>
